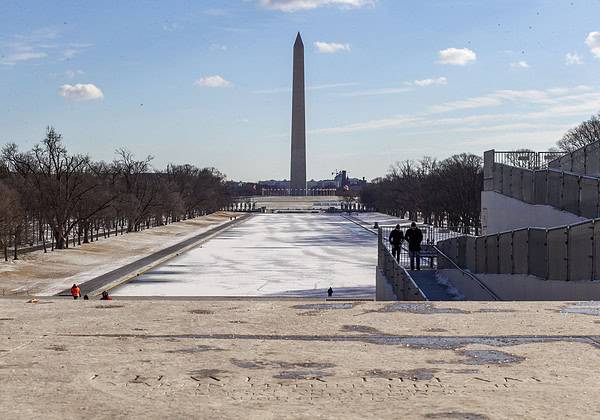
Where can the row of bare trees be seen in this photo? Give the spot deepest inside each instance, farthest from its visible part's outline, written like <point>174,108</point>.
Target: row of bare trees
<point>48,195</point>
<point>442,193</point>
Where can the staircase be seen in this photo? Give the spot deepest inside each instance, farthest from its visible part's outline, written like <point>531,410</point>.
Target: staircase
<point>427,282</point>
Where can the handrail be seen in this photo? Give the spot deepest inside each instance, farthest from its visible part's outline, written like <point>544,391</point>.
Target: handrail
<point>361,224</point>
<point>471,275</point>
<point>389,254</point>
<point>556,170</point>
<point>565,226</point>
<point>526,159</point>
<point>468,274</point>
<point>415,285</point>
<point>358,223</point>
<point>595,178</point>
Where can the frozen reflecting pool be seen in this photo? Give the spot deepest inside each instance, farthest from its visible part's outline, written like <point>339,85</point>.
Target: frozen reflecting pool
<point>271,254</point>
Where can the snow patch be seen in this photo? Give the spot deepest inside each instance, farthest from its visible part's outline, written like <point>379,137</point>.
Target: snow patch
<point>450,289</point>
<point>299,255</point>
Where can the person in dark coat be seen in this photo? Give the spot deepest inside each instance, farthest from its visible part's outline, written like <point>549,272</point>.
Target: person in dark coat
<point>396,238</point>
<point>414,237</point>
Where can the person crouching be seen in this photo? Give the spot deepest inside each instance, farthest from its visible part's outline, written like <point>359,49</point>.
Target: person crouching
<point>75,292</point>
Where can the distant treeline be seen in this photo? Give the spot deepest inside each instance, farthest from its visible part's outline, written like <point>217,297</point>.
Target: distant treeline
<point>443,193</point>
<point>51,198</point>
<point>448,192</point>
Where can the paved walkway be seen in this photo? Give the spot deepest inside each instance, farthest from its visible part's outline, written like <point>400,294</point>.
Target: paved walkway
<point>266,359</point>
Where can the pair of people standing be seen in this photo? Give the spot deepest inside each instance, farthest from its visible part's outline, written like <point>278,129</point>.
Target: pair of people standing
<point>414,237</point>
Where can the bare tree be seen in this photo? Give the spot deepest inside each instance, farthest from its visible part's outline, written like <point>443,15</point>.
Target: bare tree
<point>461,182</point>
<point>585,133</point>
<point>60,182</point>
<point>138,188</point>
<point>50,194</point>
<point>201,190</point>
<point>11,219</point>
<point>446,192</point>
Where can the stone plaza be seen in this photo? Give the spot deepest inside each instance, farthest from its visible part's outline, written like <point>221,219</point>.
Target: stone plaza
<point>198,358</point>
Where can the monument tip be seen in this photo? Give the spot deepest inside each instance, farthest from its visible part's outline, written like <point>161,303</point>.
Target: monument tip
<point>298,39</point>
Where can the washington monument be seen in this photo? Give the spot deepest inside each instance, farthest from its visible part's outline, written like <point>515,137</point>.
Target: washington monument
<point>298,165</point>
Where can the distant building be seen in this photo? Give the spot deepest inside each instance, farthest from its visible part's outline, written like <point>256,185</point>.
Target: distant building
<point>342,180</point>
<point>281,187</point>
<point>325,183</point>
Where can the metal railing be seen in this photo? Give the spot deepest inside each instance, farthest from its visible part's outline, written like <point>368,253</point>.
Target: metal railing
<point>428,253</point>
<point>526,159</point>
<point>431,257</point>
<point>431,236</point>
<point>397,277</point>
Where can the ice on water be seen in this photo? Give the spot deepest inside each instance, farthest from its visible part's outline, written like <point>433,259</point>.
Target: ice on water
<point>297,255</point>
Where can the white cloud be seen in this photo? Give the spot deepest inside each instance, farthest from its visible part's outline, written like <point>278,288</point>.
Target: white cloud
<point>331,47</point>
<point>544,109</point>
<point>81,92</point>
<point>469,103</point>
<point>392,122</point>
<point>26,47</point>
<point>312,87</point>
<point>74,49</point>
<point>429,82</point>
<point>36,45</point>
<point>408,87</point>
<point>469,124</point>
<point>499,97</point>
<point>516,138</point>
<point>593,41</point>
<point>457,56</point>
<point>298,5</point>
<point>70,73</point>
<point>331,86</point>
<point>573,59</point>
<point>17,57</point>
<point>215,81</point>
<point>218,47</point>
<point>520,65</point>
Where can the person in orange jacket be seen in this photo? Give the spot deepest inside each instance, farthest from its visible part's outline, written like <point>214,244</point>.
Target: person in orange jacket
<point>105,296</point>
<point>75,292</point>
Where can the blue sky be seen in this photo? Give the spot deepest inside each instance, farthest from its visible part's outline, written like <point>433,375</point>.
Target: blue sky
<point>208,82</point>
